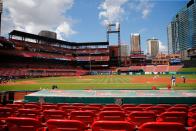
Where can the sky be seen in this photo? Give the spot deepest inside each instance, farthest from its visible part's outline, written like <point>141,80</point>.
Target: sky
<point>86,20</point>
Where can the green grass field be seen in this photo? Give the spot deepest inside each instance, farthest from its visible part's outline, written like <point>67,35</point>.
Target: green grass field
<point>100,82</point>
<point>188,69</point>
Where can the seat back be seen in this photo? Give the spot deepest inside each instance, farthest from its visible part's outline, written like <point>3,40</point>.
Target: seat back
<point>111,109</point>
<point>78,104</point>
<point>29,113</point>
<point>112,115</point>
<point>91,108</point>
<point>192,120</point>
<point>49,107</point>
<point>111,105</point>
<point>181,105</point>
<point>128,105</point>
<point>156,109</point>
<point>162,126</point>
<point>85,116</point>
<point>65,125</point>
<point>191,111</point>
<point>15,107</point>
<point>32,106</point>
<point>132,109</point>
<point>69,109</point>
<point>180,117</point>
<point>140,117</point>
<point>2,125</point>
<point>112,125</point>
<point>192,128</point>
<point>145,105</point>
<point>23,124</point>
<point>96,105</point>
<point>164,105</point>
<point>6,112</point>
<point>178,109</point>
<point>54,114</point>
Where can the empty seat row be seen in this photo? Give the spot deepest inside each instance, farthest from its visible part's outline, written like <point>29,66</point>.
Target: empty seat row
<point>30,124</point>
<point>138,117</point>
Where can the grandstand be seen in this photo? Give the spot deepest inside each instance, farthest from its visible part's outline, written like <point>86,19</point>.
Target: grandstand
<point>35,56</point>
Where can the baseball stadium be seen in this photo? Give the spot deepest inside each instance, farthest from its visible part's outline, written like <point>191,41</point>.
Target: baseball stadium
<point>48,84</point>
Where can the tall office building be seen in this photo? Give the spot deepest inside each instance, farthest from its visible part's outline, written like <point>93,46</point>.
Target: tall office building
<point>152,47</point>
<point>181,31</point>
<point>124,50</point>
<point>1,10</point>
<point>135,43</point>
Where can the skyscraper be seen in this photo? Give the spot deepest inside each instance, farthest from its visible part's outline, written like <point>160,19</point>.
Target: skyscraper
<point>124,50</point>
<point>181,30</point>
<point>152,47</point>
<point>135,43</point>
<point>1,10</point>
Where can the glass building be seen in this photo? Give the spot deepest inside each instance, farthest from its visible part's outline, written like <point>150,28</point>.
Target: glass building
<point>181,30</point>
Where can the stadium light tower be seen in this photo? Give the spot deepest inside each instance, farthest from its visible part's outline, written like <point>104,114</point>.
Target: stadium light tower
<point>1,10</point>
<point>110,30</point>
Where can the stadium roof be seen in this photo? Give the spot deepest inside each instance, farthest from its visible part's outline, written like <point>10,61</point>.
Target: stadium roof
<point>25,35</point>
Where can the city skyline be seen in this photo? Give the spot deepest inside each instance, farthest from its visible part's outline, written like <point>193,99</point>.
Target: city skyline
<point>82,22</point>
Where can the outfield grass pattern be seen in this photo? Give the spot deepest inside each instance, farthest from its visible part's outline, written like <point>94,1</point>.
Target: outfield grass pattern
<point>94,82</point>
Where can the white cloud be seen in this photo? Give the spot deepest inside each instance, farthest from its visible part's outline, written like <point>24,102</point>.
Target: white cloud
<point>142,6</point>
<point>64,29</point>
<point>35,15</point>
<point>162,47</point>
<point>111,11</point>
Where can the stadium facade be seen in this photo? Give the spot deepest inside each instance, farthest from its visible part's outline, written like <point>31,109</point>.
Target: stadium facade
<point>181,30</point>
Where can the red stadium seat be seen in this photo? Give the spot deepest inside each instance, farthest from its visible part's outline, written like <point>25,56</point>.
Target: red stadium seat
<point>91,108</point>
<point>164,105</point>
<point>6,112</point>
<point>178,109</point>
<point>78,104</point>
<point>49,107</point>
<point>162,126</point>
<point>181,105</point>
<point>29,113</point>
<point>128,105</point>
<point>192,106</point>
<point>2,125</point>
<point>191,111</point>
<point>96,105</point>
<point>192,120</point>
<point>180,117</point>
<point>140,117</point>
<point>54,114</point>
<point>111,109</point>
<point>62,104</point>
<point>19,102</point>
<point>131,109</point>
<point>69,109</point>
<point>36,103</point>
<point>192,128</point>
<point>111,105</point>
<point>112,116</point>
<point>113,126</point>
<point>15,107</point>
<point>87,117</point>
<point>156,109</point>
<point>145,105</point>
<point>65,125</point>
<point>32,106</point>
<point>23,124</point>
